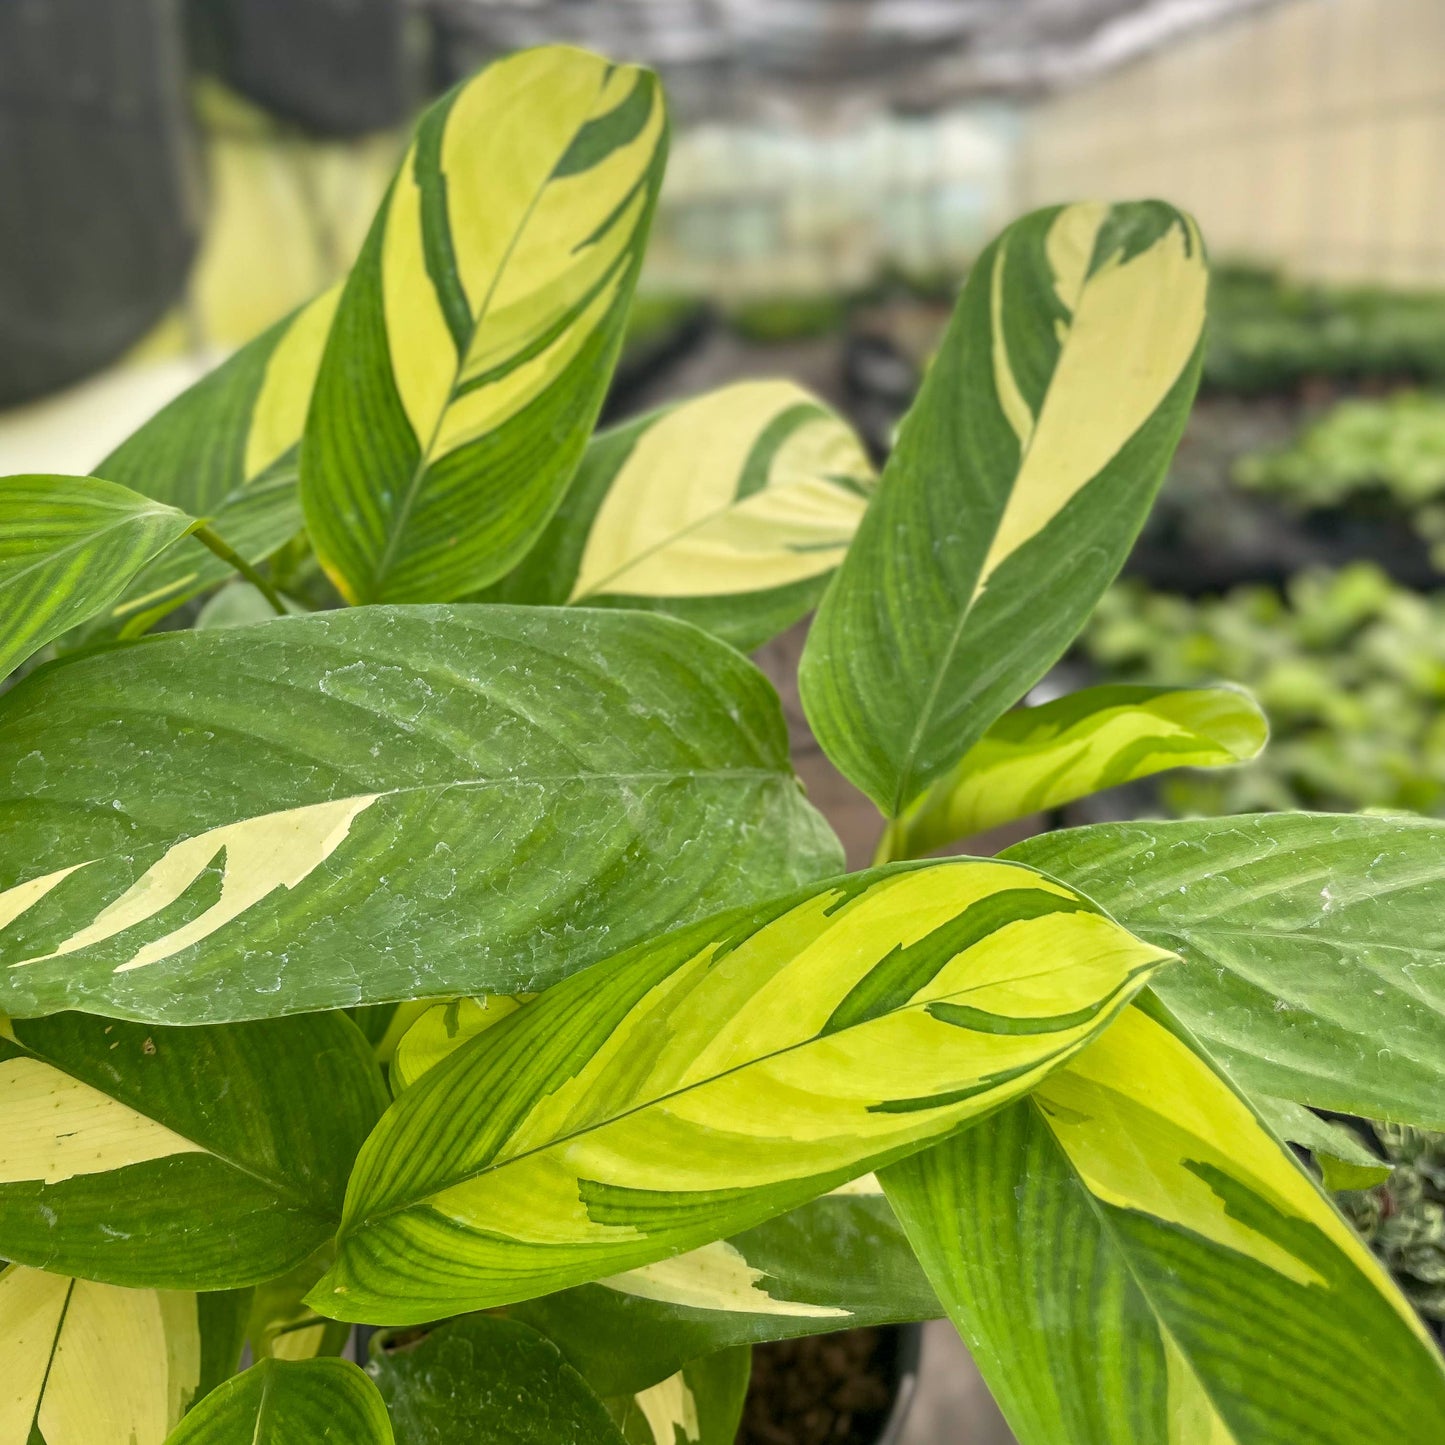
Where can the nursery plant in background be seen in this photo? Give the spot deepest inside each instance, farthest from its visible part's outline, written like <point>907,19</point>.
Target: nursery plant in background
<point>467,961</point>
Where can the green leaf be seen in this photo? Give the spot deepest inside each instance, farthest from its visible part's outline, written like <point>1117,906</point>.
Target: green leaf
<point>1021,476</point>
<point>1134,1259</point>
<point>86,1364</point>
<point>440,1031</point>
<point>488,1379</point>
<point>477,334</point>
<point>1344,1162</point>
<point>1313,946</point>
<point>703,1082</point>
<point>1036,758</point>
<point>279,1325</point>
<point>283,1402</point>
<point>179,1158</point>
<point>239,605</point>
<point>730,510</point>
<point>702,1404</point>
<point>837,1263</point>
<point>226,450</point>
<point>369,805</point>
<point>68,546</point>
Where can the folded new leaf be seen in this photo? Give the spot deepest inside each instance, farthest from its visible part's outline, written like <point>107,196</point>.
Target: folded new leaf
<point>68,547</point>
<point>381,803</point>
<point>1036,758</point>
<point>178,1158</point>
<point>731,509</point>
<point>1133,1259</point>
<point>1022,474</point>
<point>477,333</point>
<point>225,449</point>
<point>282,1402</point>
<point>701,1083</point>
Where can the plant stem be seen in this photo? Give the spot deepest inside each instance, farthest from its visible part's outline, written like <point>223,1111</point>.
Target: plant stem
<point>218,545</point>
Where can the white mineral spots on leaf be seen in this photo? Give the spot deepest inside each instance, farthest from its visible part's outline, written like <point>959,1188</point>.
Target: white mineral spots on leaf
<point>715,1277</point>
<point>275,850</point>
<point>55,1127</point>
<point>669,1406</point>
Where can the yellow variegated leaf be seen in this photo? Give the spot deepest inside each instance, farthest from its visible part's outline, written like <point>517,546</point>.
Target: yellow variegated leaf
<point>700,1404</point>
<point>701,1083</point>
<point>476,335</point>
<point>1134,1259</point>
<point>1036,758</point>
<point>1020,479</point>
<point>441,1030</point>
<point>87,1364</point>
<point>731,510</point>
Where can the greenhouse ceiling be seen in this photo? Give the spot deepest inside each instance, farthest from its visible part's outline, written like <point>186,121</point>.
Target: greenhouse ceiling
<point>910,54</point>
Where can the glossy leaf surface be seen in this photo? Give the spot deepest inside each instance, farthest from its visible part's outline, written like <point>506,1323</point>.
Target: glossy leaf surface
<point>701,1083</point>
<point>536,787</point>
<point>1313,946</point>
<point>1134,1259</point>
<point>1021,476</point>
<point>477,333</point>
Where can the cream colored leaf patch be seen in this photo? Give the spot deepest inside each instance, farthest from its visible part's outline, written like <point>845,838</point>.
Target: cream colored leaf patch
<point>279,415</point>
<point>670,1406</point>
<point>54,1127</point>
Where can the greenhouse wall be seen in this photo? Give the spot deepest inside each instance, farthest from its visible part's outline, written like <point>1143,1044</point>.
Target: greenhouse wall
<point>1308,135</point>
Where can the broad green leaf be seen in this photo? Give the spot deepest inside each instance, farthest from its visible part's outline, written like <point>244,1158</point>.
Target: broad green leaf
<point>226,450</point>
<point>284,1402</point>
<point>440,1031</point>
<point>1134,1259</point>
<point>1036,758</point>
<point>1343,1161</point>
<point>379,804</point>
<point>705,1081</point>
<point>1313,946</point>
<point>731,510</point>
<point>477,334</point>
<point>490,1379</point>
<point>837,1263</point>
<point>1021,476</point>
<point>178,1158</point>
<point>87,1364</point>
<point>279,1325</point>
<point>68,546</point>
<point>239,605</point>
<point>702,1404</point>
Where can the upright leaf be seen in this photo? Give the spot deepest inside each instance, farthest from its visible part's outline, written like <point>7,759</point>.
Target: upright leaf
<point>731,510</point>
<point>1036,758</point>
<point>178,1158</point>
<point>68,546</point>
<point>283,1402</point>
<point>367,805</point>
<point>701,1083</point>
<point>701,1404</point>
<point>88,1363</point>
<point>489,1379</point>
<point>279,1325</point>
<point>440,1031</point>
<point>1313,946</point>
<point>1134,1260</point>
<point>477,333</point>
<point>226,450</point>
<point>1021,476</point>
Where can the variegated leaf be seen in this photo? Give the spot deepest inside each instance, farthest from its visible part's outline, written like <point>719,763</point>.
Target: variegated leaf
<point>284,1402</point>
<point>87,1364</point>
<point>279,1325</point>
<point>732,510</point>
<point>484,1378</point>
<point>1036,758</point>
<point>226,450</point>
<point>1134,1259</point>
<point>381,803</point>
<point>703,1082</point>
<point>477,333</point>
<point>440,1031</point>
<point>68,547</point>
<point>1343,1161</point>
<point>1313,946</point>
<point>834,1264</point>
<point>178,1157</point>
<point>1021,476</point>
<point>701,1404</point>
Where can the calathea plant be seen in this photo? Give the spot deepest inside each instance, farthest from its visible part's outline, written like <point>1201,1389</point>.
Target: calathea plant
<point>467,959</point>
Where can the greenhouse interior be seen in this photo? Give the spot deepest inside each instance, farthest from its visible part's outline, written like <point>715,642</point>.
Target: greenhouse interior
<point>870,571</point>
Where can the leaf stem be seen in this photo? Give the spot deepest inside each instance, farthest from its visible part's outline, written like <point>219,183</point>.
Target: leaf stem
<point>207,538</point>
